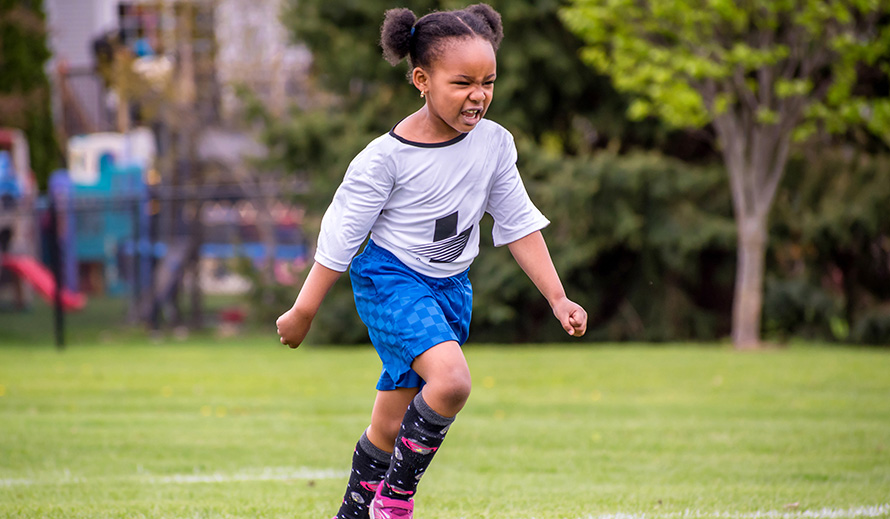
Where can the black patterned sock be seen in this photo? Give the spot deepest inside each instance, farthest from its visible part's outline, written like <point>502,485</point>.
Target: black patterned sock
<point>369,465</point>
<point>420,436</point>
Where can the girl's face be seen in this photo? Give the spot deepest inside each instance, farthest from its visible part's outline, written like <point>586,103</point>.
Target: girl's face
<point>459,86</point>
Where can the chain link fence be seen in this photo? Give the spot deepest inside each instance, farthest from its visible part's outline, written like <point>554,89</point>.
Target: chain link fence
<point>153,256</point>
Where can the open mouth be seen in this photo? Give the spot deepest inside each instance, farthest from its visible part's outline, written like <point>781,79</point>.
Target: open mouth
<point>472,115</point>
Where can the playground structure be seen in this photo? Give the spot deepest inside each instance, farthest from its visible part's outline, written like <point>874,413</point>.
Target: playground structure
<point>19,268</point>
<point>157,197</point>
<point>42,280</point>
<point>17,190</point>
<point>120,232</point>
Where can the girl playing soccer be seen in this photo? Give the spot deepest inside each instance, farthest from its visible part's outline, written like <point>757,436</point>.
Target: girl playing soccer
<point>421,190</point>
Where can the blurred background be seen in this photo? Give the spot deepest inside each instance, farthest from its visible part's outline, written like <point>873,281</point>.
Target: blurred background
<point>712,172</point>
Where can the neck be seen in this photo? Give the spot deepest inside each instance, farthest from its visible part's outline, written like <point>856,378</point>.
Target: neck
<point>422,126</point>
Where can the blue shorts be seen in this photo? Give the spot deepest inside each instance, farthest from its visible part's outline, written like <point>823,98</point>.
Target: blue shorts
<point>407,313</point>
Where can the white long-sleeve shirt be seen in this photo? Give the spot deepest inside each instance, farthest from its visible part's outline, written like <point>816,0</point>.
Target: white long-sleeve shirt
<point>423,202</point>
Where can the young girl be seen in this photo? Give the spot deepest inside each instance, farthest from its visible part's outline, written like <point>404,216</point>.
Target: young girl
<point>421,190</point>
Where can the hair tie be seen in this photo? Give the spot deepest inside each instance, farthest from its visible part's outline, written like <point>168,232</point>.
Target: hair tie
<point>412,31</point>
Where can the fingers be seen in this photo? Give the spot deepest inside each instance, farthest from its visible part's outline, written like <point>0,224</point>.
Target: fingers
<point>280,323</point>
<point>292,329</point>
<point>284,341</point>
<point>569,326</point>
<point>576,324</point>
<point>281,338</point>
<point>292,343</point>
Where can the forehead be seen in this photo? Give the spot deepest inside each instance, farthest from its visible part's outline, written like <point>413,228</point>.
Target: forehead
<point>467,56</point>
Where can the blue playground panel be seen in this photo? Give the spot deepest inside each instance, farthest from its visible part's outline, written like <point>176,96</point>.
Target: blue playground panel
<point>109,213</point>
<point>254,251</point>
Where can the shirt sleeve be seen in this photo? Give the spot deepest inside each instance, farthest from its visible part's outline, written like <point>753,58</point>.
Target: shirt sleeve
<point>515,215</point>
<point>357,203</point>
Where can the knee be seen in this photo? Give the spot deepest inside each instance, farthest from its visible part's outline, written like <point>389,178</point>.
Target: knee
<point>460,388</point>
<point>450,392</point>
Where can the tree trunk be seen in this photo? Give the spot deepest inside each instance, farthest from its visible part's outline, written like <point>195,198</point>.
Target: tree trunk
<point>748,298</point>
<point>755,158</point>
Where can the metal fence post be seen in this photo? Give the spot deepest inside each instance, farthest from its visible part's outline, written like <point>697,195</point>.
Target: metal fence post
<point>55,254</point>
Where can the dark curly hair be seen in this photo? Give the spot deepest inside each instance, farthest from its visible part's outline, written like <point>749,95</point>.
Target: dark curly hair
<point>403,35</point>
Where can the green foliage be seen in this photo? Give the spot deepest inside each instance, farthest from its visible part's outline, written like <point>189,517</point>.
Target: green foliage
<point>24,87</point>
<point>794,307</point>
<point>686,61</point>
<point>642,241</point>
<point>872,328</point>
<point>831,239</point>
<point>761,72</point>
<point>543,89</point>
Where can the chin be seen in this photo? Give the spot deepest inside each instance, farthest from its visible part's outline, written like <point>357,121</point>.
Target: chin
<point>467,127</point>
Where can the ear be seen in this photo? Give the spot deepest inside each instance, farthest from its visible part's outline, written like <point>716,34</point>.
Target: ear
<point>421,79</point>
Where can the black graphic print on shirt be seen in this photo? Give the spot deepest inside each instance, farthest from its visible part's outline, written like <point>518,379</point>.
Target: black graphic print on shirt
<point>447,244</point>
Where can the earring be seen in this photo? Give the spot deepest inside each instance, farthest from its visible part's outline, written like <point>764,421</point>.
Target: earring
<point>422,94</point>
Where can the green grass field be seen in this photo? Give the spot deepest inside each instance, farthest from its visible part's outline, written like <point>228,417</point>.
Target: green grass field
<point>246,428</point>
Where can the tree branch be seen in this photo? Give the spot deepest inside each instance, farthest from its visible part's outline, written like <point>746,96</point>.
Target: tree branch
<point>728,132</point>
<point>776,172</point>
<point>741,87</point>
<point>765,74</point>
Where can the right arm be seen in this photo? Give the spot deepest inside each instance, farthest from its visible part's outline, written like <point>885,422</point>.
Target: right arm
<point>345,225</point>
<point>293,325</point>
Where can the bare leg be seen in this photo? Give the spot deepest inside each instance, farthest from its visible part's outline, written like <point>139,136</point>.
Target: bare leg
<point>425,422</point>
<point>448,383</point>
<point>447,377</point>
<point>386,418</point>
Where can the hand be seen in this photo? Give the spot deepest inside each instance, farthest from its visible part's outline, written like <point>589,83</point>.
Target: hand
<point>571,316</point>
<point>293,326</point>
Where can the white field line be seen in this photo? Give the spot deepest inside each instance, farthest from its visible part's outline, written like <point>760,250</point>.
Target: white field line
<point>877,511</point>
<point>264,474</point>
<point>304,473</point>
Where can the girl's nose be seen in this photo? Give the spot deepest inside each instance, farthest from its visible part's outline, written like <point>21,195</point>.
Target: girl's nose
<point>477,95</point>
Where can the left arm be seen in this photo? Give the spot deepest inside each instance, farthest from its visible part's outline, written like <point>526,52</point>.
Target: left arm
<point>532,255</point>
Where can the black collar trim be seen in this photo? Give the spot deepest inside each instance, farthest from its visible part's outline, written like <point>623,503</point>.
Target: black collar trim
<point>449,142</point>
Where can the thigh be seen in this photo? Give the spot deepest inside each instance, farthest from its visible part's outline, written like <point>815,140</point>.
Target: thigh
<point>386,418</point>
<point>444,362</point>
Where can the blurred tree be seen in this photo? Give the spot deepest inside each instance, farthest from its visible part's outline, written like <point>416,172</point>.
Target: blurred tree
<point>24,87</point>
<point>765,73</point>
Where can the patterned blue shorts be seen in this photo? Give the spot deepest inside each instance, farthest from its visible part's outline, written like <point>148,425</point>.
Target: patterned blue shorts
<point>406,312</point>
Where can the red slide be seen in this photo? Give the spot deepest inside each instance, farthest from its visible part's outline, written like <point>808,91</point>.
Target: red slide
<point>42,280</point>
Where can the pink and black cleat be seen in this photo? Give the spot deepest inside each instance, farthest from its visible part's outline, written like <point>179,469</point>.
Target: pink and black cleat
<point>389,508</point>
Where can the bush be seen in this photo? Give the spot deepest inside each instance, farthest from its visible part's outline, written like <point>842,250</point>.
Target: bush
<point>793,307</point>
<point>873,328</point>
<point>642,241</point>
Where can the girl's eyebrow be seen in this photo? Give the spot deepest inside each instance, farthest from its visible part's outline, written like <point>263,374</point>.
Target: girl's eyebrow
<point>470,78</point>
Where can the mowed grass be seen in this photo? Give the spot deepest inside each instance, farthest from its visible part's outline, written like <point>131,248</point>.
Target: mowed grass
<point>244,428</point>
